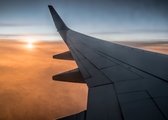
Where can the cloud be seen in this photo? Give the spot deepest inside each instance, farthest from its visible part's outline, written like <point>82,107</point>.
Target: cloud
<point>133,31</point>
<point>27,89</point>
<point>21,24</point>
<point>42,34</point>
<point>157,46</point>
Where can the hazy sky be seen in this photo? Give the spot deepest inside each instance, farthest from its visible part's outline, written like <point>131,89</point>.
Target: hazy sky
<point>26,88</point>
<point>107,19</point>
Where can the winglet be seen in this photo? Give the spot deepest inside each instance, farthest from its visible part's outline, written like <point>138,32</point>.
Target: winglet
<point>60,25</point>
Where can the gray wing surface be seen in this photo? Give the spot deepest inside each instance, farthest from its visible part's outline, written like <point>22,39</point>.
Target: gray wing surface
<point>124,83</point>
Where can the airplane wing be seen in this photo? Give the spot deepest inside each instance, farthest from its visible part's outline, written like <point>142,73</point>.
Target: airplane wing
<point>124,83</point>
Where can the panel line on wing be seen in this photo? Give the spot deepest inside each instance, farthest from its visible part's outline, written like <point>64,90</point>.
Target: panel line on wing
<point>127,55</point>
<point>84,72</point>
<point>90,64</point>
<point>93,57</point>
<point>102,104</point>
<point>156,105</point>
<point>97,78</point>
<point>112,60</point>
<point>127,66</point>
<point>121,63</point>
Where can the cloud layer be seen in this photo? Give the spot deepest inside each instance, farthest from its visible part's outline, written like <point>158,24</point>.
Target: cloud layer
<point>27,90</point>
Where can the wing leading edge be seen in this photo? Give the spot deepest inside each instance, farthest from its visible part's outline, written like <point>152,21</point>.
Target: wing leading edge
<point>124,82</point>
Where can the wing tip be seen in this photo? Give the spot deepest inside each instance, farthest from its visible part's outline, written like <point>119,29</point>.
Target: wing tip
<point>50,6</point>
<point>59,23</point>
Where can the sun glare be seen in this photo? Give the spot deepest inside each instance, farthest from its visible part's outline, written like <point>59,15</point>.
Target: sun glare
<point>29,44</point>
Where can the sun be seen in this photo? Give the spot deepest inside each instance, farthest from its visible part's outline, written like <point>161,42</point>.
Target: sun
<point>30,43</point>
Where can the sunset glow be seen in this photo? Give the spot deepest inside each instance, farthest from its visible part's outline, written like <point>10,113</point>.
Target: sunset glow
<point>30,43</point>
<point>26,86</point>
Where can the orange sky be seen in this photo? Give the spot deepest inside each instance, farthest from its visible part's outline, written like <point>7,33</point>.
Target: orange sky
<point>27,90</point>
